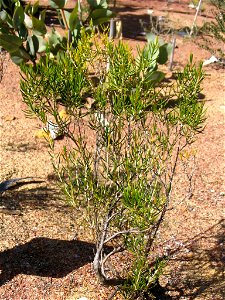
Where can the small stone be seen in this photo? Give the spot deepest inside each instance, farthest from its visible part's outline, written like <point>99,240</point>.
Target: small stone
<point>9,118</point>
<point>189,255</point>
<point>222,194</point>
<point>173,293</point>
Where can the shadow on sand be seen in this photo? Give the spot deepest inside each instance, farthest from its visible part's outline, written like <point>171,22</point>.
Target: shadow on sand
<point>201,269</point>
<point>45,257</point>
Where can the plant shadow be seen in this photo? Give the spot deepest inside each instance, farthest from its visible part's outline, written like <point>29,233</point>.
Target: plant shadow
<point>45,257</point>
<point>41,197</point>
<point>201,268</point>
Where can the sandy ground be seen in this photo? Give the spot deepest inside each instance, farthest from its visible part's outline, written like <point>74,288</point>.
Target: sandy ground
<point>40,259</point>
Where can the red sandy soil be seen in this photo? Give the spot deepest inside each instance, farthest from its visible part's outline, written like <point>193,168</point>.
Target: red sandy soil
<point>39,258</point>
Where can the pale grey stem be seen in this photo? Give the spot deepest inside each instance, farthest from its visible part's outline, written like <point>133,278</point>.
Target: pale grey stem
<point>164,210</point>
<point>195,18</point>
<point>115,250</point>
<point>129,231</point>
<point>172,54</point>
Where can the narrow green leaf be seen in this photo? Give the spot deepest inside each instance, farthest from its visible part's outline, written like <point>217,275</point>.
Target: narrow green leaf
<point>151,53</point>
<point>42,15</point>
<point>67,15</point>
<point>35,8</point>
<point>27,8</point>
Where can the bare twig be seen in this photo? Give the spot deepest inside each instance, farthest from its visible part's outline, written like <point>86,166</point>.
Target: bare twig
<point>129,231</point>
<point>195,18</point>
<point>165,207</point>
<point>172,54</point>
<point>103,261</point>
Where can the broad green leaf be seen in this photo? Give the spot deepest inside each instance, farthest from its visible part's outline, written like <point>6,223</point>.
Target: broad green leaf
<point>98,3</point>
<point>3,14</point>
<point>54,38</point>
<point>169,47</point>
<point>155,76</point>
<point>28,21</point>
<point>6,18</point>
<point>20,55</point>
<point>36,44</point>
<point>164,52</point>
<point>57,4</point>
<point>101,21</point>
<point>18,17</point>
<point>73,19</point>
<point>22,31</point>
<point>17,59</point>
<point>41,44</point>
<point>39,27</point>
<point>55,41</point>
<point>33,44</point>
<point>101,15</point>
<point>161,42</point>
<point>76,31</point>
<point>92,3</point>
<point>150,37</point>
<point>10,42</point>
<point>4,29</point>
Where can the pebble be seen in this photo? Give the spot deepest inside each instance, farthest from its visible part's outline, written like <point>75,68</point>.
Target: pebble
<point>9,118</point>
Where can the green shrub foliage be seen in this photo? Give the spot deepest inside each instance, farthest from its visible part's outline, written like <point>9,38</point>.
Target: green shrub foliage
<point>127,128</point>
<point>214,31</point>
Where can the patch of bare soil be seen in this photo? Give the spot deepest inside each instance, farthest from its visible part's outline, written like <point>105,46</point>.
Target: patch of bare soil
<point>45,253</point>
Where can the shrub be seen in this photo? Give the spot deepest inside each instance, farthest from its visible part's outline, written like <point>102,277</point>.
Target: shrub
<point>127,130</point>
<point>215,30</point>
